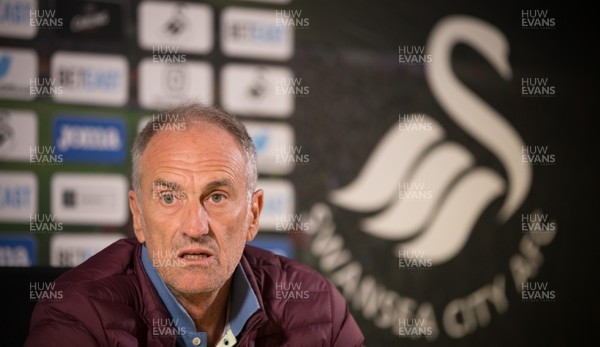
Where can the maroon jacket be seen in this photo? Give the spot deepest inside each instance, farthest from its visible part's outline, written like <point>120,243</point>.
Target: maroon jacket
<point>109,301</point>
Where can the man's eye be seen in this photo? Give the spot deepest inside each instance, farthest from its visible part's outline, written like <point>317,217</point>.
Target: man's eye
<point>167,198</point>
<point>217,198</point>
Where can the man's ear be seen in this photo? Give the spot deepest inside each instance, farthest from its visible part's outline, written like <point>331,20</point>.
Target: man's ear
<point>256,205</point>
<point>134,206</point>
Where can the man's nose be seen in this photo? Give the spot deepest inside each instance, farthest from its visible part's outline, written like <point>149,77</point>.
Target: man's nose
<point>196,220</point>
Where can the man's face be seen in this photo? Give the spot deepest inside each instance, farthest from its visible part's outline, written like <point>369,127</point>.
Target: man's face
<point>193,210</point>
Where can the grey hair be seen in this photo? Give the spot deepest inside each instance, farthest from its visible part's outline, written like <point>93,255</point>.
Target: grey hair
<point>183,117</point>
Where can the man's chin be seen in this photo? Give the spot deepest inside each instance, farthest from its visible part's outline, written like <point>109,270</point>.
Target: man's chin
<point>195,284</point>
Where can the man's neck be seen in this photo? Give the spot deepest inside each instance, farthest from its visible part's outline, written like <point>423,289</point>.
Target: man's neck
<point>207,310</point>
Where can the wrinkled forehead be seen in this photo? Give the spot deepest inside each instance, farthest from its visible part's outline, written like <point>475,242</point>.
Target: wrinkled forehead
<point>199,145</point>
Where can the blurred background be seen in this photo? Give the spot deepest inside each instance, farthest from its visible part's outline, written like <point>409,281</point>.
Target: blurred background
<point>434,160</point>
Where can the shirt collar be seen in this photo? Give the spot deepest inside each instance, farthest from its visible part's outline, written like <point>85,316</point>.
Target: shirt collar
<point>242,302</point>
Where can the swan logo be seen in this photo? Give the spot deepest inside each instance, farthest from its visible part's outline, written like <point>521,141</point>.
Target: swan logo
<point>444,193</point>
<point>440,226</point>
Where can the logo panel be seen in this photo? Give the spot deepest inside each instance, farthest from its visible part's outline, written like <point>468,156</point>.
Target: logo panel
<point>15,20</point>
<point>89,140</point>
<point>187,26</point>
<point>18,196</point>
<point>101,79</point>
<point>90,199</point>
<point>279,200</point>
<point>268,138</point>
<point>90,19</point>
<point>70,250</point>
<point>17,67</point>
<point>18,133</point>
<point>165,85</point>
<point>18,250</point>
<point>252,90</point>
<point>254,33</point>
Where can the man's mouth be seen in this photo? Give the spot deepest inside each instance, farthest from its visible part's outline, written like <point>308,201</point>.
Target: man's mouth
<point>196,255</point>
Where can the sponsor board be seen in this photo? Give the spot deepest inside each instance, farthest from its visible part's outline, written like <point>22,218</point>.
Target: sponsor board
<point>18,132</point>
<point>90,140</point>
<point>252,90</point>
<point>17,67</point>
<point>69,250</point>
<point>89,199</point>
<point>188,27</point>
<point>15,19</point>
<point>18,196</point>
<point>437,211</point>
<point>279,200</point>
<point>90,19</point>
<point>18,250</point>
<point>268,138</point>
<point>101,79</point>
<point>254,33</point>
<point>163,85</point>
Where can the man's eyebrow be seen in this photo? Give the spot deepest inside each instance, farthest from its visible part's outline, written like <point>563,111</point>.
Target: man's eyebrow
<point>219,183</point>
<point>162,184</point>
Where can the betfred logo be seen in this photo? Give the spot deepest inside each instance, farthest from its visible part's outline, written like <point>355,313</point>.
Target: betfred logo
<point>187,26</point>
<point>248,89</point>
<point>89,199</point>
<point>163,85</point>
<point>18,196</point>
<point>15,19</point>
<point>101,79</point>
<point>93,140</point>
<point>18,133</point>
<point>254,33</point>
<point>17,67</point>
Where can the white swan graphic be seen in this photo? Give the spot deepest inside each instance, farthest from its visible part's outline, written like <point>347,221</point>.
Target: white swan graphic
<point>439,227</point>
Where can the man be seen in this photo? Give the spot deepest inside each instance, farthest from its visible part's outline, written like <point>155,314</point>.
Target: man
<point>189,278</point>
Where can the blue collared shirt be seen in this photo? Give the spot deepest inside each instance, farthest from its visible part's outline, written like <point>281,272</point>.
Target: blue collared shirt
<point>242,304</point>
